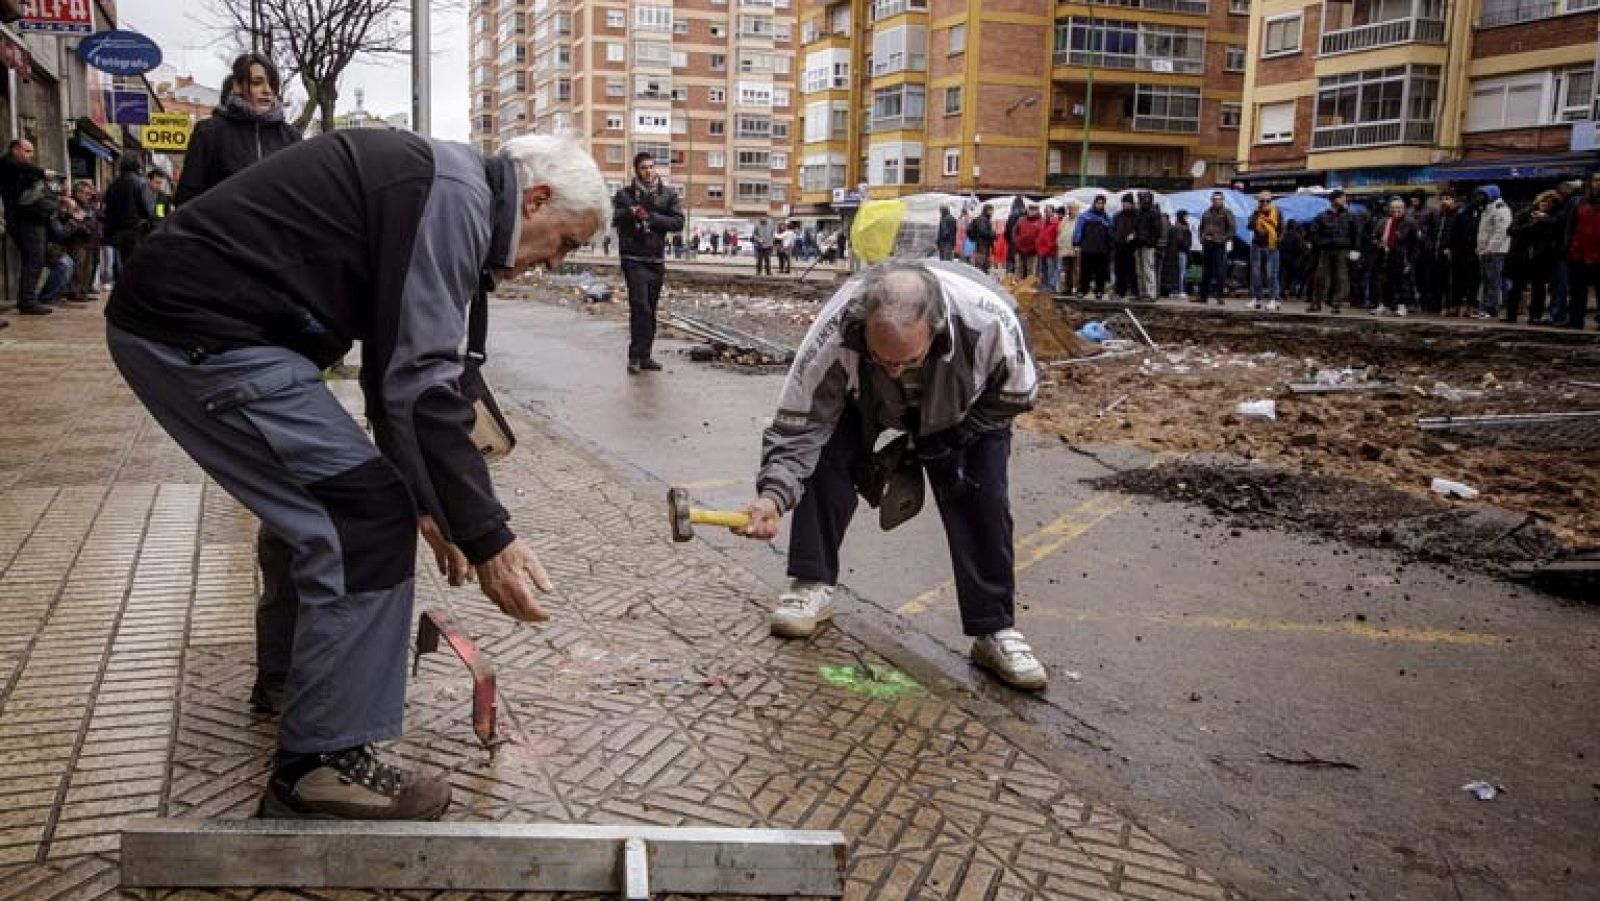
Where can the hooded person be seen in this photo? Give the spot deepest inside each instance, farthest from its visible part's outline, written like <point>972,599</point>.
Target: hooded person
<point>1536,235</point>
<point>1093,238</point>
<point>1019,211</point>
<point>1148,235</point>
<point>945,240</point>
<point>1494,245</point>
<point>981,231</point>
<point>1125,248</point>
<point>246,128</point>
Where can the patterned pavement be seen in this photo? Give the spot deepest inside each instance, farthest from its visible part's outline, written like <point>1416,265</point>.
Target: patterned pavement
<point>654,695</point>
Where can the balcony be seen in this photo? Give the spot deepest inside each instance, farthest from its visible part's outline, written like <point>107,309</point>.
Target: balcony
<point>1130,62</point>
<point>1373,134</point>
<point>1119,182</point>
<point>1191,7</point>
<point>1383,34</point>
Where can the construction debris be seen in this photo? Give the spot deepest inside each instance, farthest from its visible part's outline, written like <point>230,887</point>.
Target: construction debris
<point>728,343</point>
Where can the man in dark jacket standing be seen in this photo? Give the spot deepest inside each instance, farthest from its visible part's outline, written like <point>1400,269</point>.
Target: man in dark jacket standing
<point>1457,255</point>
<point>644,213</point>
<point>130,209</point>
<point>1148,232</point>
<point>981,231</point>
<point>1333,239</point>
<point>1092,237</point>
<point>25,221</point>
<point>1218,226</point>
<point>1583,247</point>
<point>222,326</point>
<point>1125,249</point>
<point>945,240</point>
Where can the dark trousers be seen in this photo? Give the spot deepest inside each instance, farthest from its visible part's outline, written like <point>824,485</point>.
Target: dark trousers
<point>983,256</point>
<point>1394,287</point>
<point>29,240</point>
<point>1537,283</point>
<point>1127,263</point>
<point>644,295</point>
<point>763,260</point>
<point>1464,279</point>
<point>946,251</point>
<point>1093,269</point>
<point>1581,279</point>
<point>1332,277</point>
<point>783,262</point>
<point>977,523</point>
<point>85,257</point>
<point>1213,270</point>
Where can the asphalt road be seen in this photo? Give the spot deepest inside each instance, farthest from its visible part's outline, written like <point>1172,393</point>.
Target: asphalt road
<point>1299,715</point>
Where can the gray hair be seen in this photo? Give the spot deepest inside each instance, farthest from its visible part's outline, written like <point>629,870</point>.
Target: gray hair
<point>901,295</point>
<point>557,160</point>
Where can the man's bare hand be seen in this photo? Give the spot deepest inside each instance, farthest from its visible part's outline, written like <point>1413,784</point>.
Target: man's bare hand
<point>452,563</point>
<point>505,577</point>
<point>764,519</point>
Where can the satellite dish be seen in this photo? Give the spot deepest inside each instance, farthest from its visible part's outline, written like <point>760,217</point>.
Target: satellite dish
<point>1198,169</point>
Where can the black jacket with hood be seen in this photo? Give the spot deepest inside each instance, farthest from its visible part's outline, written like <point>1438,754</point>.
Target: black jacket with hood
<point>645,241</point>
<point>224,145</point>
<point>375,236</point>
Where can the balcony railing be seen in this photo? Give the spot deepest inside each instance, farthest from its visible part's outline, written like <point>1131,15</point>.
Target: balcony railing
<point>1118,182</point>
<point>1531,10</point>
<point>1167,64</point>
<point>1194,7</point>
<point>1373,134</point>
<point>1166,124</point>
<point>1383,34</point>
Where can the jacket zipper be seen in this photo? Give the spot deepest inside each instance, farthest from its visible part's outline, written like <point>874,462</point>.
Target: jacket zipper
<point>258,142</point>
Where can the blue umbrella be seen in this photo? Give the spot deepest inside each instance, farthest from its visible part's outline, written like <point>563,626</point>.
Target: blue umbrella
<point>1301,207</point>
<point>1195,203</point>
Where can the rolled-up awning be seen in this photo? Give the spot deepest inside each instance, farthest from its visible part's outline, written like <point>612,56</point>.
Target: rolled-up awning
<point>95,147</point>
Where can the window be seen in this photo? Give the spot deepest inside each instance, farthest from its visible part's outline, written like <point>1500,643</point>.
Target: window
<point>719,62</point>
<point>780,192</point>
<point>613,153</point>
<point>1238,7</point>
<point>958,39</point>
<point>719,30</point>
<point>821,172</point>
<point>825,70</point>
<point>680,26</point>
<point>898,107</point>
<point>680,125</point>
<point>716,159</point>
<point>1282,35</point>
<point>716,95</point>
<point>952,162</point>
<point>782,32</point>
<point>883,9</point>
<point>752,192</point>
<point>713,192</point>
<point>652,87</point>
<point>652,53</point>
<point>755,26</point>
<point>1166,108</point>
<point>1574,95</point>
<point>1233,58</point>
<point>616,87</point>
<point>780,98</point>
<point>808,31</point>
<point>652,18</point>
<point>1275,123</point>
<point>780,161</point>
<point>752,93</point>
<point>780,130</point>
<point>716,127</point>
<point>613,121</point>
<point>894,164</point>
<point>900,49</point>
<point>1517,101</point>
<point>755,61</point>
<point>840,20</point>
<point>615,52</point>
<point>1392,105</point>
<point>1510,12</point>
<point>782,65</point>
<point>658,151</point>
<point>750,126</point>
<point>1119,44</point>
<point>651,122</point>
<point>753,160</point>
<point>1229,114</point>
<point>952,101</point>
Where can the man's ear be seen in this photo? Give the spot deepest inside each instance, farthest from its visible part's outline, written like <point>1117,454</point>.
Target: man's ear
<point>534,197</point>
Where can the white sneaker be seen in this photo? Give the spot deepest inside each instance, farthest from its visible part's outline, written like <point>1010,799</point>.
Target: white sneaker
<point>1253,305</point>
<point>1272,306</point>
<point>802,608</point>
<point>1400,310</point>
<point>1006,654</point>
<point>1381,310</point>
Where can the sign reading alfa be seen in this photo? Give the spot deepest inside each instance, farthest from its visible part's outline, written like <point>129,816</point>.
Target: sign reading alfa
<point>168,132</point>
<point>57,16</point>
<point>119,52</point>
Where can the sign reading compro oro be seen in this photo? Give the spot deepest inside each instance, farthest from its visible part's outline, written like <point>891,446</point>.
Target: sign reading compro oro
<point>166,131</point>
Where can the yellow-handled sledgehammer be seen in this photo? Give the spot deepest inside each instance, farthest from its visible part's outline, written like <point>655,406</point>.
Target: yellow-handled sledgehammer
<point>683,517</point>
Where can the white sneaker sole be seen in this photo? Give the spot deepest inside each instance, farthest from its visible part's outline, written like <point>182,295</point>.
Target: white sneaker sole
<point>788,628</point>
<point>1024,682</point>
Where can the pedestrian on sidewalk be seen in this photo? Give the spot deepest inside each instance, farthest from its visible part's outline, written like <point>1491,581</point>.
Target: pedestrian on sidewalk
<point>1019,212</point>
<point>1149,232</point>
<point>86,253</point>
<point>1180,241</point>
<point>1125,249</point>
<point>1266,234</point>
<point>1066,251</point>
<point>1094,239</point>
<point>1583,248</point>
<point>761,238</point>
<point>783,245</point>
<point>1025,242</point>
<point>1049,232</point>
<point>1292,260</point>
<point>1394,246</point>
<point>944,240</point>
<point>644,213</point>
<point>247,127</point>
<point>1458,244</point>
<point>130,209</point>
<point>1426,221</point>
<point>1333,239</point>
<point>936,351</point>
<point>1494,243</point>
<point>222,330</point>
<point>1571,194</point>
<point>29,205</point>
<point>1218,227</point>
<point>981,231</point>
<point>1536,236</point>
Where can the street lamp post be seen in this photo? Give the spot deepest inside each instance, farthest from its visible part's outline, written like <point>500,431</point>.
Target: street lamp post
<point>1088,98</point>
<point>421,79</point>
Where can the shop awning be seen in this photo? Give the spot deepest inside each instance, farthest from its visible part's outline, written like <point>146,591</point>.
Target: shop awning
<point>1573,165</point>
<point>95,147</point>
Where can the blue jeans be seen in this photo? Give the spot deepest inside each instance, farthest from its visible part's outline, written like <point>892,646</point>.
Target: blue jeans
<point>58,278</point>
<point>1493,285</point>
<point>1263,272</point>
<point>1560,287</point>
<point>1047,273</point>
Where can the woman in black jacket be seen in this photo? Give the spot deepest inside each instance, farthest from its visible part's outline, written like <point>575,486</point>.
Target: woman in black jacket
<point>1536,239</point>
<point>245,129</point>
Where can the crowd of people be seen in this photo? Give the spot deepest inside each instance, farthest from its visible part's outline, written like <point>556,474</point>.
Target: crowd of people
<point>1462,254</point>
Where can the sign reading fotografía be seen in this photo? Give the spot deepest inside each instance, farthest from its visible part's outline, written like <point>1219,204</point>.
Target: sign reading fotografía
<point>167,132</point>
<point>57,16</point>
<point>119,52</point>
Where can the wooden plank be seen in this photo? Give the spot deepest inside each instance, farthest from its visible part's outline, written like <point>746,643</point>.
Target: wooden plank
<point>191,853</point>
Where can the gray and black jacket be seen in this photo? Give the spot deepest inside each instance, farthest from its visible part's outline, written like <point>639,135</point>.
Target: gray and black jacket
<point>372,236</point>
<point>645,241</point>
<point>978,376</point>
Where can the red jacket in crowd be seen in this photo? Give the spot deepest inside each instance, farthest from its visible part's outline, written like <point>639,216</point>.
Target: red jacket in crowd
<point>1585,232</point>
<point>1048,231</point>
<point>1027,236</point>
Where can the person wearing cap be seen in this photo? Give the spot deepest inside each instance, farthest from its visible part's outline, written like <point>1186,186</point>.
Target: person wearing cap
<point>1266,231</point>
<point>1333,238</point>
<point>1125,249</point>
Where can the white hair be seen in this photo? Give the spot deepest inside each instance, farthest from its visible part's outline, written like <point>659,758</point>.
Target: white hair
<point>901,296</point>
<point>558,161</point>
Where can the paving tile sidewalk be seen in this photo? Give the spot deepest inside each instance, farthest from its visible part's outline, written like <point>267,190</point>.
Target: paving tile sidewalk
<point>654,695</point>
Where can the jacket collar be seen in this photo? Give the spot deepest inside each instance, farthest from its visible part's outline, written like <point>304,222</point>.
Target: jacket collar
<point>505,218</point>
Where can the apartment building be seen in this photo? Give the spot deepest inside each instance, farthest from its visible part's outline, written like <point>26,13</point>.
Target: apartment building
<point>1390,94</point>
<point>1003,96</point>
<point>706,86</point>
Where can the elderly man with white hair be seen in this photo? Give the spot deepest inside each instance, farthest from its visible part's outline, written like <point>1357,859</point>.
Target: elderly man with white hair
<point>933,351</point>
<point>222,325</point>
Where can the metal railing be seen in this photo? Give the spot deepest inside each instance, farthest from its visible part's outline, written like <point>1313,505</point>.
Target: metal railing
<point>1166,124</point>
<point>1373,134</point>
<point>1194,7</point>
<point>1166,64</point>
<point>1119,182</point>
<point>1383,34</point>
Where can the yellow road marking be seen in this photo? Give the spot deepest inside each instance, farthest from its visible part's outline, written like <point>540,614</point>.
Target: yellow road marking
<point>1037,545</point>
<point>1417,635</point>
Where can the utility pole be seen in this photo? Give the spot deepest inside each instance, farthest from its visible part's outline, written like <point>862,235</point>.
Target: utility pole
<point>255,26</point>
<point>1088,98</point>
<point>421,80</point>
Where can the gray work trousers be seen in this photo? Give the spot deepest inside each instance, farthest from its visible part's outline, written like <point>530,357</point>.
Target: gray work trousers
<point>261,422</point>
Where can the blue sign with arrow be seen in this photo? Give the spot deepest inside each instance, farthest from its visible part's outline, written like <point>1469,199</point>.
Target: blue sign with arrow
<point>119,52</point>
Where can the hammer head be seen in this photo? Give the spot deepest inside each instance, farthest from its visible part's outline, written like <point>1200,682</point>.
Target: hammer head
<point>678,514</point>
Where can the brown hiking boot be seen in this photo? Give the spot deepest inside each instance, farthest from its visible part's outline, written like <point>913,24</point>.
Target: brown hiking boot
<point>352,784</point>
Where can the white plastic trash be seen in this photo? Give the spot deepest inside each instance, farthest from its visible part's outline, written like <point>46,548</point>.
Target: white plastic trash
<point>1450,488</point>
<point>1258,409</point>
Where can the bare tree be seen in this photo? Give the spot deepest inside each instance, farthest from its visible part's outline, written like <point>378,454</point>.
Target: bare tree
<point>316,40</point>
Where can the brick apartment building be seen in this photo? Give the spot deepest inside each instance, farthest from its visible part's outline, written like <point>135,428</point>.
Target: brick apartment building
<point>994,96</point>
<point>1389,94</point>
<point>705,85</point>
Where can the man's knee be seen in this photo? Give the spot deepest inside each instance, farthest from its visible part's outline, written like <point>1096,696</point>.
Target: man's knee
<point>375,516</point>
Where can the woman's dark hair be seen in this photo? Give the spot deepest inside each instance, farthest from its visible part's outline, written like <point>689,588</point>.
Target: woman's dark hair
<point>241,72</point>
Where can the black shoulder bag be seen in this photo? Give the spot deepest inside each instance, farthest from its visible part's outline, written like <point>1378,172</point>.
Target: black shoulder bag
<point>491,434</point>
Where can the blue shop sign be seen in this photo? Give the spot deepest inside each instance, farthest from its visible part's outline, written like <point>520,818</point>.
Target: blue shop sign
<point>128,107</point>
<point>120,52</point>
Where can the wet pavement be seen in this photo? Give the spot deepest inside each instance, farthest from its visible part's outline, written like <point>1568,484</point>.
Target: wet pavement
<point>654,695</point>
<point>1297,714</point>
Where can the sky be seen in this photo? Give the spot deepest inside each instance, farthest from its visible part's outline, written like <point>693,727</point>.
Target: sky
<point>190,44</point>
